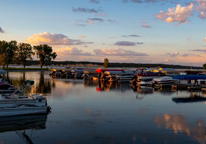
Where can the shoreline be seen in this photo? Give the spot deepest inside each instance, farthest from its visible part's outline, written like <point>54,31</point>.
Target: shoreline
<point>25,69</point>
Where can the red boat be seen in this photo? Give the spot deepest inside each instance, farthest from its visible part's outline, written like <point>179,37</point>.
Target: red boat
<point>107,75</point>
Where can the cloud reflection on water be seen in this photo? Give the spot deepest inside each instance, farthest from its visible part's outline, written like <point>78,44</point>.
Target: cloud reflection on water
<point>179,124</point>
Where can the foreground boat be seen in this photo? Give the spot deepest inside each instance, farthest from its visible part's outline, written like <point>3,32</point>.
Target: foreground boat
<point>17,104</point>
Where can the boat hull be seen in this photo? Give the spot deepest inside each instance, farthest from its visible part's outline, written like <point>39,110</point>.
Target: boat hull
<point>22,111</point>
<point>14,107</point>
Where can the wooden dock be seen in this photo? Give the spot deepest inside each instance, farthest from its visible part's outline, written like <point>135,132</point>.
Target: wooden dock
<point>196,87</point>
<point>180,86</point>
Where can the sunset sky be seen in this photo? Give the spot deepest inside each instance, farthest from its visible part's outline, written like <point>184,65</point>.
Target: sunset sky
<point>137,31</point>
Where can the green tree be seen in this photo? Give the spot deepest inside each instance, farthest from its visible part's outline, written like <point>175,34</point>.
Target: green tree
<point>23,53</point>
<point>44,53</point>
<point>204,66</point>
<point>106,63</point>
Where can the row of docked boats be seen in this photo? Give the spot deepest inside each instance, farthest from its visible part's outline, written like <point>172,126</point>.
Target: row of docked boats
<point>178,81</point>
<point>111,74</point>
<point>138,77</point>
<point>14,101</point>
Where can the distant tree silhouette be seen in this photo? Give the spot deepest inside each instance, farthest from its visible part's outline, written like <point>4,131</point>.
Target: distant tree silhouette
<point>2,59</point>
<point>106,63</point>
<point>204,66</point>
<point>3,47</point>
<point>10,52</point>
<point>23,53</point>
<point>44,53</point>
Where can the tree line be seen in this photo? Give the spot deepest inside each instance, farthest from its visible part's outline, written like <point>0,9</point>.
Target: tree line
<point>12,52</point>
<point>111,64</point>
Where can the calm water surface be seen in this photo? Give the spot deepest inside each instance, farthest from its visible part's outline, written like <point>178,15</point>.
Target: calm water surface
<point>104,113</point>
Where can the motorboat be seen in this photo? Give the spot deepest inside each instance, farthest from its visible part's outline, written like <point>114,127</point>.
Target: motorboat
<point>19,104</point>
<point>91,75</point>
<point>164,80</point>
<point>144,81</point>
<point>141,72</point>
<point>77,73</point>
<point>4,85</point>
<point>125,75</point>
<point>111,75</point>
<point>108,74</point>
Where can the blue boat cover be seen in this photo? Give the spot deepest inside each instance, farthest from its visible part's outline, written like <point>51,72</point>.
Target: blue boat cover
<point>189,77</point>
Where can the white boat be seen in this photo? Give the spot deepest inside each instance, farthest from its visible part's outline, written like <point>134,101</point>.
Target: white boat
<point>17,104</point>
<point>126,75</point>
<point>164,80</point>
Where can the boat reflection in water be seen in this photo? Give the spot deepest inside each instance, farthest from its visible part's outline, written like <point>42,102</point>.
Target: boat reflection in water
<point>21,124</point>
<point>194,97</point>
<point>115,86</point>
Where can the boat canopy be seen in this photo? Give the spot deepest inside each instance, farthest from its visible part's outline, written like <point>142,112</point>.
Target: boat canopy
<point>77,71</point>
<point>2,71</point>
<point>128,72</point>
<point>103,70</point>
<point>113,72</point>
<point>189,77</point>
<point>29,82</point>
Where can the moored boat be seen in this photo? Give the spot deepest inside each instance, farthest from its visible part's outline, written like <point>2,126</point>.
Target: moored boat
<point>18,104</point>
<point>164,80</point>
<point>126,75</point>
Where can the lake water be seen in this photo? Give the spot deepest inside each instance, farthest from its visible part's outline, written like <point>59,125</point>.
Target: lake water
<point>104,113</point>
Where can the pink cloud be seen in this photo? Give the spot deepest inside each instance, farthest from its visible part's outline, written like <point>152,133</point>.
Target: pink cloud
<point>72,51</point>
<point>102,14</point>
<point>146,26</point>
<point>51,39</point>
<point>182,14</point>
<point>178,14</point>
<point>81,36</point>
<point>88,22</point>
<point>202,15</point>
<point>173,54</point>
<point>118,52</point>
